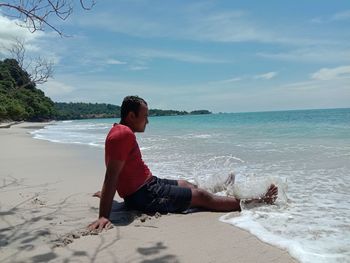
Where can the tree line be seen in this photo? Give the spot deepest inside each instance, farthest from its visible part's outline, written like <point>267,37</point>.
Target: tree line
<point>80,110</point>
<point>20,99</point>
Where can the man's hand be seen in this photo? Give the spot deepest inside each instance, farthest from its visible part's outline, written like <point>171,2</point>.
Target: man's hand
<point>99,224</point>
<point>108,191</point>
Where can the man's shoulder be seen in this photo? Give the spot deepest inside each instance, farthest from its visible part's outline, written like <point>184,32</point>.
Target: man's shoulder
<point>120,131</point>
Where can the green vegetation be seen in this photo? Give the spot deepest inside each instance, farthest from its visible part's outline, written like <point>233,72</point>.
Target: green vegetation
<point>21,100</point>
<point>80,110</point>
<point>200,112</point>
<point>158,112</point>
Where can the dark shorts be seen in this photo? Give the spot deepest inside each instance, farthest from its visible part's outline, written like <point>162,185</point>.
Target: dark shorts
<point>160,195</point>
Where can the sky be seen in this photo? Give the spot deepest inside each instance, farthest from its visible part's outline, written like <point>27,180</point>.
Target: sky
<point>223,56</point>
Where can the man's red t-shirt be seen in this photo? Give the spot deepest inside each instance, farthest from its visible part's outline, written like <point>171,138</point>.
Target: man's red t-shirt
<point>121,145</point>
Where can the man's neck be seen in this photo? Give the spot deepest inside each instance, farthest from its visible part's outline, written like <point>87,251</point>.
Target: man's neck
<point>126,124</point>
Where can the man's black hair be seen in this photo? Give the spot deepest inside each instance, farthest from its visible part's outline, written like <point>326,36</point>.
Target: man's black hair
<point>131,104</point>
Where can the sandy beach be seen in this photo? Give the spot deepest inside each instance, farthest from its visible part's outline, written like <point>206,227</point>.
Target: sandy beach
<point>46,203</point>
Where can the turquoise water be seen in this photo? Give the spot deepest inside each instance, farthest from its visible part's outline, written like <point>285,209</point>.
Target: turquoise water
<point>307,153</point>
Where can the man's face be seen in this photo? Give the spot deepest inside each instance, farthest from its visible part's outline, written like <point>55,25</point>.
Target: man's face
<point>140,121</point>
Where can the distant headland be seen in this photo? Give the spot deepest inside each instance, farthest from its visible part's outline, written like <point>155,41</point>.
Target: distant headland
<point>79,110</point>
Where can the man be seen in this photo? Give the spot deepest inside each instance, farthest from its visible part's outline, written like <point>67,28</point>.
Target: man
<point>127,174</point>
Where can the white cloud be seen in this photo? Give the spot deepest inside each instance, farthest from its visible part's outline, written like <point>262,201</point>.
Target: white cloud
<point>10,30</point>
<point>323,55</point>
<point>137,68</point>
<point>202,23</point>
<point>35,44</point>
<point>57,89</point>
<point>344,15</point>
<point>226,81</point>
<point>140,58</point>
<point>331,73</point>
<point>268,75</point>
<point>330,80</point>
<point>115,62</point>
<point>95,62</point>
<point>317,20</point>
<point>175,55</point>
<point>340,16</point>
<point>225,27</point>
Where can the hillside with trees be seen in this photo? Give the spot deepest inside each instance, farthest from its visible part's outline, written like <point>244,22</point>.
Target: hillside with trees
<point>80,110</point>
<point>19,97</point>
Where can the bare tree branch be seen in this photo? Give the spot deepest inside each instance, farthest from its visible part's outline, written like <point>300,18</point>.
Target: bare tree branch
<point>38,68</point>
<point>17,51</point>
<point>41,71</point>
<point>36,13</point>
<point>85,6</point>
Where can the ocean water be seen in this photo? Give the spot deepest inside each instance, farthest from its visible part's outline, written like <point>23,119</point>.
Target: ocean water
<point>306,153</point>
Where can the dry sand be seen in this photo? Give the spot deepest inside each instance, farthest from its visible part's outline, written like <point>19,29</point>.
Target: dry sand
<point>46,203</point>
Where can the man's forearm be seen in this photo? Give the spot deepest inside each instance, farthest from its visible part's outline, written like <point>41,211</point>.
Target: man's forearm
<point>109,187</point>
<point>106,202</point>
<point>108,192</point>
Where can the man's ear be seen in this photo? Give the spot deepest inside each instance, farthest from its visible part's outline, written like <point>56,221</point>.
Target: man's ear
<point>132,115</point>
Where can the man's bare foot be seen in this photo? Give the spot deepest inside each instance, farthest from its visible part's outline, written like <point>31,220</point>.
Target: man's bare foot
<point>97,194</point>
<point>271,195</point>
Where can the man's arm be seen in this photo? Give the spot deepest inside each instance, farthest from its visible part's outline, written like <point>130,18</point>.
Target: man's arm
<point>108,191</point>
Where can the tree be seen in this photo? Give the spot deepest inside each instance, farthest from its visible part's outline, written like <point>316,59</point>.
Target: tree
<point>36,14</point>
<point>38,68</point>
<point>18,101</point>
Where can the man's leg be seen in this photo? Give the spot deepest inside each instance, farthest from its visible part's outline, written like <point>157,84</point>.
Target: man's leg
<point>203,199</point>
<point>206,200</point>
<point>184,183</point>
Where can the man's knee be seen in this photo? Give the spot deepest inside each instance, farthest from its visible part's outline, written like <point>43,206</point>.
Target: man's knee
<point>200,197</point>
<point>184,183</point>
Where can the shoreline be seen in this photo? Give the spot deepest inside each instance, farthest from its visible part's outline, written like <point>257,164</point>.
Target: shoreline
<point>6,125</point>
<point>47,196</point>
